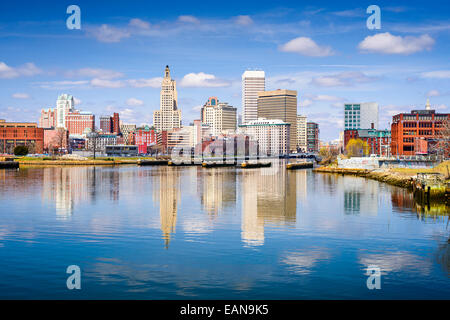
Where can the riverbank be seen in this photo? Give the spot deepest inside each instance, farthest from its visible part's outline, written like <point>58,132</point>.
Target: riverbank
<point>386,176</point>
<point>405,178</point>
<point>29,161</point>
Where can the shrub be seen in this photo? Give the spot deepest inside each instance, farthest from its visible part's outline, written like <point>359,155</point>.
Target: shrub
<point>21,150</point>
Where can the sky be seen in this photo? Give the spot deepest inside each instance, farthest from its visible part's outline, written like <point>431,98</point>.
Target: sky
<point>322,49</point>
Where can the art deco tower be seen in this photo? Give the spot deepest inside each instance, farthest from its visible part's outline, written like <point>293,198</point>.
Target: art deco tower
<point>169,116</point>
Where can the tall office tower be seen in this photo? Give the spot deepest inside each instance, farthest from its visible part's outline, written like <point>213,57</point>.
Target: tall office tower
<point>220,116</point>
<point>169,116</point>
<point>64,105</point>
<point>115,123</point>
<point>282,105</point>
<point>301,133</point>
<point>252,83</point>
<point>312,136</point>
<point>361,115</point>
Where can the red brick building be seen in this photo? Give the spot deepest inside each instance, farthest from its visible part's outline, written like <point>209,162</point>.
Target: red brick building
<point>416,132</point>
<point>145,137</point>
<point>379,141</point>
<point>77,122</point>
<point>14,134</point>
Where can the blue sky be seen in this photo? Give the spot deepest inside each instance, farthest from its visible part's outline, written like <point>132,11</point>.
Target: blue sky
<point>322,49</point>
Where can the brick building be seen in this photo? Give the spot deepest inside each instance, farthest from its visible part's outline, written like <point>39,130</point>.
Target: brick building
<point>379,141</point>
<point>77,122</point>
<point>416,132</point>
<point>14,134</point>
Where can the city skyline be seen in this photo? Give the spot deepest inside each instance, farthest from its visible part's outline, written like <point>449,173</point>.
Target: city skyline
<point>324,51</point>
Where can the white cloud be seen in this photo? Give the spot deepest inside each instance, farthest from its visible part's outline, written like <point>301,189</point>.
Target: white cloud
<point>306,46</point>
<point>28,69</point>
<point>106,33</point>
<point>323,97</point>
<point>21,96</point>
<point>140,24</point>
<point>433,93</point>
<point>144,83</point>
<point>202,80</point>
<point>305,103</point>
<point>342,79</point>
<point>76,101</point>
<point>105,83</point>
<point>133,102</point>
<point>243,20</point>
<point>390,44</point>
<point>439,74</point>
<point>188,19</point>
<point>95,73</point>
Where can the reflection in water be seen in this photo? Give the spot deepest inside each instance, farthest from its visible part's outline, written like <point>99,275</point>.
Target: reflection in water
<point>360,196</point>
<point>167,192</point>
<point>239,233</point>
<point>268,196</point>
<point>218,190</point>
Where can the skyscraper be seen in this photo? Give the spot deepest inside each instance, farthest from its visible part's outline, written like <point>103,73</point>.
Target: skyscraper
<point>361,115</point>
<point>169,116</point>
<point>281,105</point>
<point>301,133</point>
<point>64,105</point>
<point>252,83</point>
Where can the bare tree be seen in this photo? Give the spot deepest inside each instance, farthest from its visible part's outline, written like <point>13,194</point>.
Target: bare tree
<point>441,145</point>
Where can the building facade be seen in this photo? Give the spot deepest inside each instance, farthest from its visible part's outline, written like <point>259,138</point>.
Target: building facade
<point>273,136</point>
<point>128,132</point>
<point>47,119</point>
<point>78,121</point>
<point>379,141</point>
<point>417,132</point>
<point>312,137</point>
<point>281,105</point>
<point>64,105</point>
<point>169,116</point>
<point>14,134</point>
<point>106,124</point>
<point>220,117</point>
<point>301,133</point>
<point>361,115</point>
<point>252,83</point>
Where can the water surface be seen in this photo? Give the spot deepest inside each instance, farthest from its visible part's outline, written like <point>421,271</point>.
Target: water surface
<point>222,233</point>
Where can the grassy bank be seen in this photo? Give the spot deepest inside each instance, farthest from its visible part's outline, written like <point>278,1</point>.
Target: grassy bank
<point>386,176</point>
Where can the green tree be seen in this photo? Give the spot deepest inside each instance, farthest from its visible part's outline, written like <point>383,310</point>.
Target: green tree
<point>357,148</point>
<point>21,150</point>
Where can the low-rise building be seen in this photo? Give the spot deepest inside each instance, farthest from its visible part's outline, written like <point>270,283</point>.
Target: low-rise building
<point>379,141</point>
<point>312,137</point>
<point>14,134</point>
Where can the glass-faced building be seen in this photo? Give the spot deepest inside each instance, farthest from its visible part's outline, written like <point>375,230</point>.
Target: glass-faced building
<point>361,115</point>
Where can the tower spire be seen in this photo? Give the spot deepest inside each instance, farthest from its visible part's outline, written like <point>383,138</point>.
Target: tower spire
<point>167,72</point>
<point>427,106</point>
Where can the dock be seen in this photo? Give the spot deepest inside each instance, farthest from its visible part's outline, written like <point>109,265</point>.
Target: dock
<point>217,164</point>
<point>299,165</point>
<point>248,165</point>
<point>153,162</point>
<point>9,165</point>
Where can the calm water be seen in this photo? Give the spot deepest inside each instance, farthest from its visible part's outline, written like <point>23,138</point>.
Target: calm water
<point>194,233</point>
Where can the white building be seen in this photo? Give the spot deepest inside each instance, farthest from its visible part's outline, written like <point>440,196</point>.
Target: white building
<point>301,133</point>
<point>64,104</point>
<point>252,83</point>
<point>273,136</point>
<point>220,117</point>
<point>361,115</point>
<point>169,116</point>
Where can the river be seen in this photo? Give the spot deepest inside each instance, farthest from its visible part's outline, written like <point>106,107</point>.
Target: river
<point>220,233</point>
